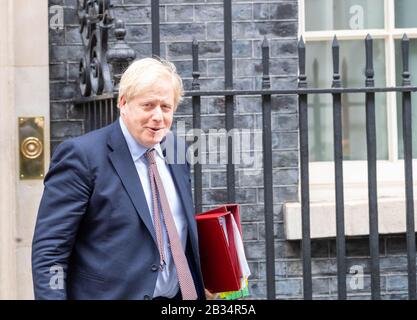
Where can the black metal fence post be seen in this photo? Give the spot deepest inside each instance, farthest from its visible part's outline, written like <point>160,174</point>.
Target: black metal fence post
<point>229,99</point>
<point>196,103</point>
<point>338,165</point>
<point>156,41</point>
<point>304,174</point>
<point>268,181</point>
<point>408,166</point>
<point>114,108</point>
<point>94,103</point>
<point>372,184</point>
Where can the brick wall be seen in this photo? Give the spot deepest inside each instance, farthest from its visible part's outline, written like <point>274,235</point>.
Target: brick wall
<point>252,20</point>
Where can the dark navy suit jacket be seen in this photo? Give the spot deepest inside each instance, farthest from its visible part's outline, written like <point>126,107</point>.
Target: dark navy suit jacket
<point>94,223</point>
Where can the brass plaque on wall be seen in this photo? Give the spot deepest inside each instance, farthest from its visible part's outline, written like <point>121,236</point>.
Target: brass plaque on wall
<point>31,147</point>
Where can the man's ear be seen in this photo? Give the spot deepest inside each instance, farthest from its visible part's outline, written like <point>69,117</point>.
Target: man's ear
<point>122,103</point>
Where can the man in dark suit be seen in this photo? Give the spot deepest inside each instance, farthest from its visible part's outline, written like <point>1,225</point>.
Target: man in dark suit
<point>102,230</point>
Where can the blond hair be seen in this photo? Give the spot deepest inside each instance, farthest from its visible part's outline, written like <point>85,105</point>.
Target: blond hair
<point>144,73</point>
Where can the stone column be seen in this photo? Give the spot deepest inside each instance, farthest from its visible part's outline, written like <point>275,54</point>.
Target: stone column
<point>24,92</point>
<point>8,138</point>
<point>31,92</point>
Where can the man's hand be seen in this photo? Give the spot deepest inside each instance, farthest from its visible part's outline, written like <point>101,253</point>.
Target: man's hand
<point>211,296</point>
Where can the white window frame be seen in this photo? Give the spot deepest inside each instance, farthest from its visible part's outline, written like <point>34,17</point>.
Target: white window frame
<point>390,173</point>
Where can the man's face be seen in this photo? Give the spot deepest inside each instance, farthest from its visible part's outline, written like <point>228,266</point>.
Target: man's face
<point>148,116</point>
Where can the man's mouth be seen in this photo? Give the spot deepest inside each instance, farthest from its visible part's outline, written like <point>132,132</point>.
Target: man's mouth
<point>155,129</point>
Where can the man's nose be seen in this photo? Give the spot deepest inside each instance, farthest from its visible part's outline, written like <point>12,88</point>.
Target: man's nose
<point>157,113</point>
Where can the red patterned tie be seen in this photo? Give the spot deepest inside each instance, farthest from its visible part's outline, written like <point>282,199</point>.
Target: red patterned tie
<point>184,274</point>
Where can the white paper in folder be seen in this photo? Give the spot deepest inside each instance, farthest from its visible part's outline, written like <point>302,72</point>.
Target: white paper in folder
<point>244,266</point>
<point>222,221</point>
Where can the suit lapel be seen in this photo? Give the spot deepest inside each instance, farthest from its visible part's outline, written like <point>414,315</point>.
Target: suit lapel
<point>122,161</point>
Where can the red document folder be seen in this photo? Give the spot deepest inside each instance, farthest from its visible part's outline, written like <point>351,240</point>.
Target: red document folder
<point>219,260</point>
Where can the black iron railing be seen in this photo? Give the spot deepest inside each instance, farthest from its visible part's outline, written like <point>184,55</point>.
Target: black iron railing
<point>336,91</point>
<point>101,110</point>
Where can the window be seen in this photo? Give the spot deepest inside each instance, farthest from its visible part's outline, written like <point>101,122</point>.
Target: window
<point>351,20</point>
<point>319,75</point>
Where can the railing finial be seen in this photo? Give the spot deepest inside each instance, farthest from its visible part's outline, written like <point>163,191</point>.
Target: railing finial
<point>302,78</point>
<point>405,45</point>
<point>266,82</point>
<point>121,54</point>
<point>369,68</point>
<point>196,73</point>
<point>335,53</point>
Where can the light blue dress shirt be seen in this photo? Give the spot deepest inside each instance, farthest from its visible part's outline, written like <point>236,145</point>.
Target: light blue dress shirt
<point>167,282</point>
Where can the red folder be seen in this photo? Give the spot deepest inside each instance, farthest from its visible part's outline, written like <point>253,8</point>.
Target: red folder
<point>219,260</point>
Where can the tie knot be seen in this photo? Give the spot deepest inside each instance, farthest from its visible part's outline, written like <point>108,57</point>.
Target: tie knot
<point>150,155</point>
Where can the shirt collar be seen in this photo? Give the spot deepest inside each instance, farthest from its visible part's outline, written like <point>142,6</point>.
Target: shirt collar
<point>136,149</point>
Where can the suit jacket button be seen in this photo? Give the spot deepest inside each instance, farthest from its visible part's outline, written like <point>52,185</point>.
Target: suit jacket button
<point>146,297</point>
<point>154,268</point>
